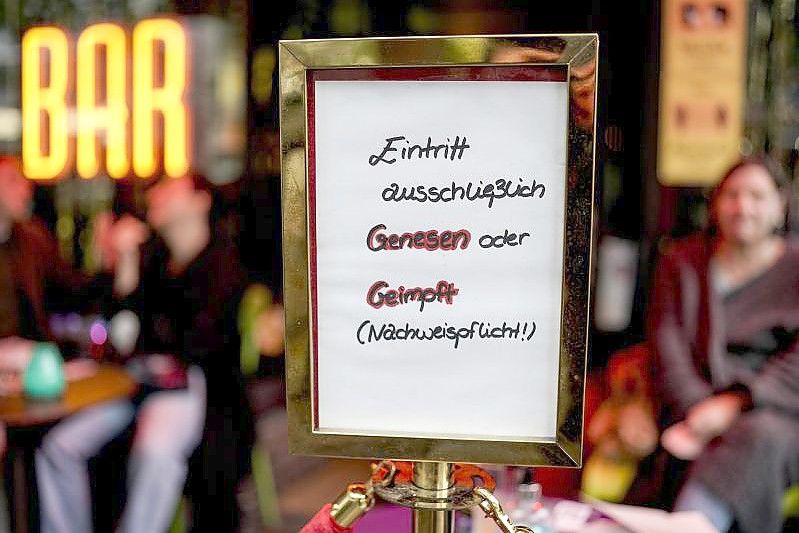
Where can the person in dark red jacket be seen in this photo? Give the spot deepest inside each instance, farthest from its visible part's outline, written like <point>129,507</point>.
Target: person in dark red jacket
<point>32,272</point>
<point>725,329</point>
<point>34,279</point>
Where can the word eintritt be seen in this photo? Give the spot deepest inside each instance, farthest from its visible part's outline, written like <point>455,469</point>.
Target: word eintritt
<point>449,150</point>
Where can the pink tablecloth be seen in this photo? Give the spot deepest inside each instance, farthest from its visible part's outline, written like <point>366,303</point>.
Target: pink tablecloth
<point>385,519</point>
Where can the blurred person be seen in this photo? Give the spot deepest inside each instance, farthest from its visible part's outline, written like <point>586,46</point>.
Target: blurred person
<point>33,277</point>
<point>184,286</point>
<point>724,325</point>
<point>30,264</point>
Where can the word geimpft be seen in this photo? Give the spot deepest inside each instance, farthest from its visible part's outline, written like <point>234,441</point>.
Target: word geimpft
<point>449,150</point>
<point>444,292</point>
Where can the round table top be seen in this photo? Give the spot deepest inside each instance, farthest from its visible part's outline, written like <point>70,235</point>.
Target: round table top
<point>109,382</point>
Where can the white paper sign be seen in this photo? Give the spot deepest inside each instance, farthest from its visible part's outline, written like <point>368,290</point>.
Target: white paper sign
<point>452,192</point>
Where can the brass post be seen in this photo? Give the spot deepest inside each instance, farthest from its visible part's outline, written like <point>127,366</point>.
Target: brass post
<point>433,476</point>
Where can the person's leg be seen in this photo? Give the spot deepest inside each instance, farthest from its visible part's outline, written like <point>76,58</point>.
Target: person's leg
<point>222,461</point>
<point>61,465</point>
<point>751,466</point>
<point>694,496</point>
<point>169,428</point>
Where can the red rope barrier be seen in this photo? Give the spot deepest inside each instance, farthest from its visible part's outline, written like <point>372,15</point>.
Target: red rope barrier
<point>323,523</point>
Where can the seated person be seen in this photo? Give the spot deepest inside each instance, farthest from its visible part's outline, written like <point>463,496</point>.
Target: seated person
<point>184,287</point>
<point>724,326</point>
<point>31,274</point>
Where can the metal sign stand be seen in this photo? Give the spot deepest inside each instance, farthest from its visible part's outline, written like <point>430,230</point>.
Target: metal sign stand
<point>433,477</point>
<point>434,490</point>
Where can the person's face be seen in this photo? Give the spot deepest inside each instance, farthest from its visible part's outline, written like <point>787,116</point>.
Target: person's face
<point>16,193</point>
<point>749,206</point>
<point>173,202</point>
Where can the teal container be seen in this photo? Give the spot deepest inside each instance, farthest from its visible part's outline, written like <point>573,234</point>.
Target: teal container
<point>44,376</point>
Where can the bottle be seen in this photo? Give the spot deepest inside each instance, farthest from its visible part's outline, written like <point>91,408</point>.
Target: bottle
<point>530,510</point>
<point>43,378</point>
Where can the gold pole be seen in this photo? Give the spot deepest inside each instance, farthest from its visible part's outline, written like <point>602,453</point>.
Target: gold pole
<point>433,476</point>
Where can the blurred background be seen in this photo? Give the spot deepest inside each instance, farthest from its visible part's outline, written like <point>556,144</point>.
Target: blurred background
<point>643,194</point>
<point>680,98</point>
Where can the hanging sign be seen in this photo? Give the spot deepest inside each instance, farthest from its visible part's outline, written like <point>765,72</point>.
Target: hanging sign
<point>702,84</point>
<point>445,206</point>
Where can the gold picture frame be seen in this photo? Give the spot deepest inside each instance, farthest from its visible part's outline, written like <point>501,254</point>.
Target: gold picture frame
<point>577,55</point>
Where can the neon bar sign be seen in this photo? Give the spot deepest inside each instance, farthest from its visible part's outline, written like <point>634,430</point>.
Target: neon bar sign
<point>141,119</point>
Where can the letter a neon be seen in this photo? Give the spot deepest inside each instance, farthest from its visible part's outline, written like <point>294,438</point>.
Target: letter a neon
<point>111,117</point>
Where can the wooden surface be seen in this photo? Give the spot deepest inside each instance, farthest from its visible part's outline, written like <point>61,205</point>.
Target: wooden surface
<point>110,382</point>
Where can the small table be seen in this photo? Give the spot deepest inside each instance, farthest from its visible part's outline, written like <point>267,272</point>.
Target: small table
<point>109,382</point>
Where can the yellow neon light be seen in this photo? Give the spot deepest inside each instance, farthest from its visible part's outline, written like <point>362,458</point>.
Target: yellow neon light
<point>41,160</point>
<point>167,98</point>
<point>112,117</point>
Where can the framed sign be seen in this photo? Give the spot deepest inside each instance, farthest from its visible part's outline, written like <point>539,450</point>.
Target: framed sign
<point>438,203</point>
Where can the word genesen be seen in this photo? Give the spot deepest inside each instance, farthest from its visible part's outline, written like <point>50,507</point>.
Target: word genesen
<point>447,240</point>
<point>450,150</point>
<point>444,291</point>
<point>431,240</point>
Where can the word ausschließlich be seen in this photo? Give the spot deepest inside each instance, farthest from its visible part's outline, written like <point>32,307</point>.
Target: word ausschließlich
<point>498,190</point>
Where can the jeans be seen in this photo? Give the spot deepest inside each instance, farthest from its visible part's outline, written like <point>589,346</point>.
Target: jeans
<point>696,497</point>
<point>169,426</point>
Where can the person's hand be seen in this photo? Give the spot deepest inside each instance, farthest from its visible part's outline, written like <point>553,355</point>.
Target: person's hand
<point>715,415</point>
<point>120,239</point>
<point>680,441</point>
<point>626,427</point>
<point>268,331</point>
<point>15,354</point>
<point>637,430</point>
<point>127,235</point>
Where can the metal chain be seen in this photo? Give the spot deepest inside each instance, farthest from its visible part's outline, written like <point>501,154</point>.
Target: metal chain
<point>391,470</point>
<point>389,467</point>
<point>359,498</point>
<point>493,510</point>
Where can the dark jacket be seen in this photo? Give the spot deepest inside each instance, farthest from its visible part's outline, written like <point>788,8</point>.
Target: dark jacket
<point>746,341</point>
<point>44,282</point>
<point>689,329</point>
<point>193,315</point>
